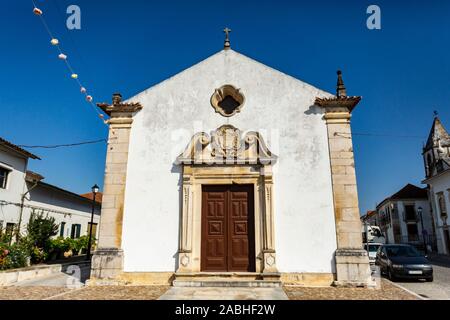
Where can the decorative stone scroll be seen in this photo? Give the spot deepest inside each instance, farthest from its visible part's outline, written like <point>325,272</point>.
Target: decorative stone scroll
<point>226,145</point>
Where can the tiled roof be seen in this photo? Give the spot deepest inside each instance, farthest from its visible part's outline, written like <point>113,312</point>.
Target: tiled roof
<point>98,196</point>
<point>33,176</point>
<point>409,191</point>
<point>73,194</point>
<point>18,149</point>
<point>370,213</point>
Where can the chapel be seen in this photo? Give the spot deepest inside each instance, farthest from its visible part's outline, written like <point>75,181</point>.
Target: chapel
<point>231,171</point>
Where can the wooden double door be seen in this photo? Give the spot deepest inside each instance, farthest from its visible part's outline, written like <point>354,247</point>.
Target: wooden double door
<point>228,228</point>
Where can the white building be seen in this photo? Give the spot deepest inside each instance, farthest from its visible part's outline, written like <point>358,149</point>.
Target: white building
<point>405,217</point>
<point>231,166</point>
<point>13,168</point>
<point>23,192</point>
<point>436,154</point>
<point>371,218</point>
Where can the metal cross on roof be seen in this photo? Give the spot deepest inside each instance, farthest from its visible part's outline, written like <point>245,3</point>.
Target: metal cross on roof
<point>227,38</point>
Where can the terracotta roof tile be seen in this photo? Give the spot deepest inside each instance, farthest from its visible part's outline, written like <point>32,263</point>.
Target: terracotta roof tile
<point>18,149</point>
<point>98,196</point>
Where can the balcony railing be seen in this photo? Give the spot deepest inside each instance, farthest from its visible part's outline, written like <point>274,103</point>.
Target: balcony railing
<point>417,241</point>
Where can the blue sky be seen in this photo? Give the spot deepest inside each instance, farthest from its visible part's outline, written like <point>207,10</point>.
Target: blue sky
<point>402,71</point>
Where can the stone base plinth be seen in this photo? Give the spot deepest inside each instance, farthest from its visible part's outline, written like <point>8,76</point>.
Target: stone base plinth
<point>107,263</point>
<point>353,268</point>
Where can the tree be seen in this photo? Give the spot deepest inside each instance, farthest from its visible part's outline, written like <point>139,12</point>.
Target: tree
<point>40,229</point>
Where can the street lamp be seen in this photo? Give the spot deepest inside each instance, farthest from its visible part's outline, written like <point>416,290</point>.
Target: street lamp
<point>94,189</point>
<point>419,211</point>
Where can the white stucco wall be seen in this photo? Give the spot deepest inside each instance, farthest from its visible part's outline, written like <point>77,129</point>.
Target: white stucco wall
<point>440,183</point>
<point>278,106</point>
<point>62,206</point>
<point>15,185</point>
<point>400,204</point>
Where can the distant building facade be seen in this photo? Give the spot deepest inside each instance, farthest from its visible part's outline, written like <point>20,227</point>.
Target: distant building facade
<point>371,218</point>
<point>436,155</point>
<point>23,193</point>
<point>405,217</point>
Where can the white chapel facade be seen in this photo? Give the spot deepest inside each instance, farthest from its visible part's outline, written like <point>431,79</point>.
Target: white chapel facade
<point>231,169</point>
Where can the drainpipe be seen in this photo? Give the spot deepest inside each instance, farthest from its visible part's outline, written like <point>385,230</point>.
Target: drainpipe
<point>21,208</point>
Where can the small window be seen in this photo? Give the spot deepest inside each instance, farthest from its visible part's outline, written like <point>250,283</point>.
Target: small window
<point>4,173</point>
<point>75,231</point>
<point>227,100</point>
<point>410,213</point>
<point>9,229</point>
<point>94,229</point>
<point>62,228</point>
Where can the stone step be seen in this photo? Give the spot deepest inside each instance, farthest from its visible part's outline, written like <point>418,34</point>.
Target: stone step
<point>227,283</point>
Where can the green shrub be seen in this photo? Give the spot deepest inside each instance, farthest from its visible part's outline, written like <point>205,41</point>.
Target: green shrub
<point>39,231</point>
<point>14,256</point>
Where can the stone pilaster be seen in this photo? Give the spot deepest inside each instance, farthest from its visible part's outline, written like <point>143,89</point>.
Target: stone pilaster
<point>186,227</point>
<point>269,254</point>
<point>107,261</point>
<point>352,263</point>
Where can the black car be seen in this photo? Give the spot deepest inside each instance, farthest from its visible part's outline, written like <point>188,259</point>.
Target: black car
<point>401,261</point>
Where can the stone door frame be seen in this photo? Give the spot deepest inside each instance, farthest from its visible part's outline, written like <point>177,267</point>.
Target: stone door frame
<point>194,176</point>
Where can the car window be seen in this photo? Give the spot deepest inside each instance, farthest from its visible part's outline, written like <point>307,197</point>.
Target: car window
<point>402,251</point>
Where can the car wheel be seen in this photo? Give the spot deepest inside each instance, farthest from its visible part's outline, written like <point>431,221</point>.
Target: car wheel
<point>391,275</point>
<point>382,270</point>
<point>430,279</point>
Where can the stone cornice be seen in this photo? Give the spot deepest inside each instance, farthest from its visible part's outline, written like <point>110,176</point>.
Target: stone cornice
<point>338,104</point>
<point>118,108</point>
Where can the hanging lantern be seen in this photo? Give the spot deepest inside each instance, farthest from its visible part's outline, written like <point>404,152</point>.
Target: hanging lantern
<point>37,11</point>
<point>74,76</point>
<point>89,98</point>
<point>83,90</point>
<point>101,116</point>
<point>54,41</point>
<point>62,56</point>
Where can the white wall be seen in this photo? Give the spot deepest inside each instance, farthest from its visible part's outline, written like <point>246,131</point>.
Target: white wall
<point>278,106</point>
<point>439,184</point>
<point>15,185</point>
<point>63,206</point>
<point>426,215</point>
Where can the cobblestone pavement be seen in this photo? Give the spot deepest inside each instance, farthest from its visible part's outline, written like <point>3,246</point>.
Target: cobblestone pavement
<point>85,293</point>
<point>386,291</point>
<point>221,293</point>
<point>30,293</point>
<point>115,293</point>
<point>439,289</point>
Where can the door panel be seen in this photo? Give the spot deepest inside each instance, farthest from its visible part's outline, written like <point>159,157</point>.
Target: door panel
<point>240,229</point>
<point>228,228</point>
<point>214,229</point>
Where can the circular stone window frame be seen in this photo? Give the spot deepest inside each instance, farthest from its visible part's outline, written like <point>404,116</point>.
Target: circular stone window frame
<point>224,91</point>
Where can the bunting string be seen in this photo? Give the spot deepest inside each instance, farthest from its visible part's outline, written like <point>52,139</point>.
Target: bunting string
<point>62,56</point>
